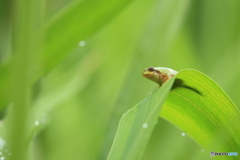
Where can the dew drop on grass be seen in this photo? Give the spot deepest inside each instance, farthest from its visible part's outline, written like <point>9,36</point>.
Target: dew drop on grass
<point>37,123</point>
<point>2,143</point>
<point>145,125</point>
<point>82,43</point>
<point>183,134</point>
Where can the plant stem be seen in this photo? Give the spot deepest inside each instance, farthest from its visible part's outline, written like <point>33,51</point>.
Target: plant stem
<point>20,90</point>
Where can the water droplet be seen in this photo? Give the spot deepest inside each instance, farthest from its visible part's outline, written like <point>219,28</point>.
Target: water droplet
<point>2,143</point>
<point>202,150</point>
<point>2,158</point>
<point>145,125</point>
<point>37,123</point>
<point>183,134</point>
<point>82,43</point>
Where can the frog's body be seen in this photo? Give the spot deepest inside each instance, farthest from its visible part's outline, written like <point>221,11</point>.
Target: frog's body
<point>160,75</point>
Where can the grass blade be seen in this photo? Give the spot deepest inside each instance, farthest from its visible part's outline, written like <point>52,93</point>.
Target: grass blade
<point>197,105</point>
<point>210,119</point>
<point>78,22</point>
<point>136,126</point>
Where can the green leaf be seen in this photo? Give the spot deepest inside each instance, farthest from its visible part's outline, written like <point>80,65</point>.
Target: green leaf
<point>136,126</point>
<point>195,104</point>
<point>77,22</point>
<point>210,119</point>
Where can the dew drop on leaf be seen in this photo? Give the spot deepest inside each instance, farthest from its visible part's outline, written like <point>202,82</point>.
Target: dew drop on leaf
<point>145,125</point>
<point>82,43</point>
<point>183,134</point>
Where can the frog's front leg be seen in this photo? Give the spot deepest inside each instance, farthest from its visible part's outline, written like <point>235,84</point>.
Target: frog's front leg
<point>163,78</point>
<point>164,83</point>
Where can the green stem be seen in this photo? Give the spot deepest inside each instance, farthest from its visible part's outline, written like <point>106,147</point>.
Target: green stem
<point>20,90</point>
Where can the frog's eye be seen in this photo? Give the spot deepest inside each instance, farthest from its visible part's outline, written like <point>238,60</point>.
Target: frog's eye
<point>151,69</point>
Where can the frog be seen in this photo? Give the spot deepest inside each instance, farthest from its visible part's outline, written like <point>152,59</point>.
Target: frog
<point>159,75</point>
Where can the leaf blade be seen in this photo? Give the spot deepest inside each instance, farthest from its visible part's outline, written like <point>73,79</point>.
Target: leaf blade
<point>76,22</point>
<point>79,21</point>
<point>136,125</point>
<point>206,118</point>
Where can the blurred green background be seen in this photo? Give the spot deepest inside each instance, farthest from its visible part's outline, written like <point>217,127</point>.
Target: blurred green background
<point>76,101</point>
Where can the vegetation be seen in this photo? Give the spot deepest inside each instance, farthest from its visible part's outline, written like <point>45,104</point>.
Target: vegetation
<point>69,70</point>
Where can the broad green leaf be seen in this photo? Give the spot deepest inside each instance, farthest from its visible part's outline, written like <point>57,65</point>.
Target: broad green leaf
<point>136,126</point>
<point>197,105</point>
<point>211,119</point>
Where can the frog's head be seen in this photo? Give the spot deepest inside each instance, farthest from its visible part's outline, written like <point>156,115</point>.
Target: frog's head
<point>152,74</point>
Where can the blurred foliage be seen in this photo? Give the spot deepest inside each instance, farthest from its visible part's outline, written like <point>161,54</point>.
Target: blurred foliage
<point>82,63</point>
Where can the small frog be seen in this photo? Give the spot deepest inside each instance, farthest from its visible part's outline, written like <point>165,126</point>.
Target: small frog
<point>160,75</point>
